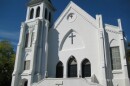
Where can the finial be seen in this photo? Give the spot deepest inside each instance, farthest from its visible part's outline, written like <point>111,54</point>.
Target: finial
<point>119,24</point>
<point>99,21</point>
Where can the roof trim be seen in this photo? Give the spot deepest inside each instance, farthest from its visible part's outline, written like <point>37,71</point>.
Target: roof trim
<point>72,5</point>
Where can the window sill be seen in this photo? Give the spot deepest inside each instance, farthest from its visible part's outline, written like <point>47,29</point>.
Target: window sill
<point>25,72</point>
<point>117,71</point>
<point>28,49</point>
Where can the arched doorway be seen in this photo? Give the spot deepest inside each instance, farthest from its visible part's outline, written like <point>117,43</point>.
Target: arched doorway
<point>23,82</point>
<point>59,70</point>
<point>86,68</point>
<point>26,83</point>
<point>72,67</point>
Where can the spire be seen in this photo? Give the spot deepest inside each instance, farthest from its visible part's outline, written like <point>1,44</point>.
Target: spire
<point>37,1</point>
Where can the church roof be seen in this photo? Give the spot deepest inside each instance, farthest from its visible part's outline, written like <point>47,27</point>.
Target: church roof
<point>36,1</point>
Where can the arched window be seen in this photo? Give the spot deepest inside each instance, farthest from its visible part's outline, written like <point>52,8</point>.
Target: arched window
<point>32,38</point>
<point>38,12</point>
<point>31,13</point>
<point>27,65</point>
<point>26,40</point>
<point>72,67</point>
<point>59,70</point>
<point>115,58</point>
<point>50,16</point>
<point>86,68</point>
<point>46,13</point>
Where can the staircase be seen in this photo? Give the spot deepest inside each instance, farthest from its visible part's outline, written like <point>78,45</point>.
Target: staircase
<point>65,82</point>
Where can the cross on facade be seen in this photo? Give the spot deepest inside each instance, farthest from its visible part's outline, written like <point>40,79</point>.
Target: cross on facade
<point>72,36</point>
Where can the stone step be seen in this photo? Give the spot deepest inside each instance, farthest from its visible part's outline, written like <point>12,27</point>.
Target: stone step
<point>65,82</point>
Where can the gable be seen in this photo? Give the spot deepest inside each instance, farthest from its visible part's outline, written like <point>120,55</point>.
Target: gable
<point>77,20</point>
<point>81,12</point>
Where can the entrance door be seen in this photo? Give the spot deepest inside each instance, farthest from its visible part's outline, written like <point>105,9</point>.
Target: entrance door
<point>59,70</point>
<point>72,67</point>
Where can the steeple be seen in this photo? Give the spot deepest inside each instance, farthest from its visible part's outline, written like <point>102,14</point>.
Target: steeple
<point>40,9</point>
<point>37,1</point>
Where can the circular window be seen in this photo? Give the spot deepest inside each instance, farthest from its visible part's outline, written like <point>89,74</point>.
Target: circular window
<point>71,17</point>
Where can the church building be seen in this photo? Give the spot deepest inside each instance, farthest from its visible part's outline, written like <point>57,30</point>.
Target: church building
<point>75,50</point>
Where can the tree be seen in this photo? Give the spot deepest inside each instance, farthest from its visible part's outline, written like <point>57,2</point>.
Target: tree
<point>7,58</point>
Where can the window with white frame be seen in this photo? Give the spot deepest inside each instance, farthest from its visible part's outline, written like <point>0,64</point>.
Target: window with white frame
<point>27,65</point>
<point>115,58</point>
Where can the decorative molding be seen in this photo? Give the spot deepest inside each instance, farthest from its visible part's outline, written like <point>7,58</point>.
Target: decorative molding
<point>113,26</point>
<point>101,34</point>
<point>28,49</point>
<point>31,26</point>
<point>116,32</point>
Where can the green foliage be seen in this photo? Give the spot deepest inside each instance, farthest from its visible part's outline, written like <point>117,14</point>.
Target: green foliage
<point>7,58</point>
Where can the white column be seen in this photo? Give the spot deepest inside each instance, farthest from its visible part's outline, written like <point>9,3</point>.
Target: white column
<point>102,54</point>
<point>122,49</point>
<point>102,50</point>
<point>123,55</point>
<point>34,47</point>
<point>28,13</point>
<point>19,53</point>
<point>65,70</point>
<point>79,70</point>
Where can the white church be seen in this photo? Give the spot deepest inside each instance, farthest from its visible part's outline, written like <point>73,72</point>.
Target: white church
<point>75,50</point>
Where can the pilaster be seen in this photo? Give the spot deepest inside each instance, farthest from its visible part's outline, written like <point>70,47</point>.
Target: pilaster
<point>123,54</point>
<point>18,59</point>
<point>65,71</point>
<point>34,48</point>
<point>102,50</point>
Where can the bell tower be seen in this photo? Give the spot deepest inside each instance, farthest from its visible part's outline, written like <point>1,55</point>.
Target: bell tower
<point>32,49</point>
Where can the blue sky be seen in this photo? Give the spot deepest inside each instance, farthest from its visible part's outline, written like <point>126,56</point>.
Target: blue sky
<point>13,12</point>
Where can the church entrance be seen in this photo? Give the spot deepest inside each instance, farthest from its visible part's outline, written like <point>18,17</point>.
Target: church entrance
<point>26,83</point>
<point>72,67</point>
<point>86,68</point>
<point>59,70</point>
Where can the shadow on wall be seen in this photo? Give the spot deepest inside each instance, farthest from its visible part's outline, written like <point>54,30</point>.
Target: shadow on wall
<point>128,59</point>
<point>53,57</point>
<point>109,74</point>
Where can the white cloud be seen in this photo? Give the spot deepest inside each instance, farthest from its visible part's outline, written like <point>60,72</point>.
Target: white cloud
<point>9,35</point>
<point>14,43</point>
